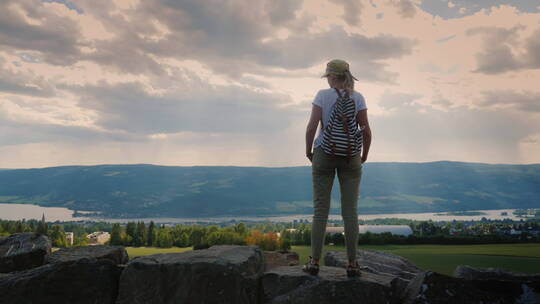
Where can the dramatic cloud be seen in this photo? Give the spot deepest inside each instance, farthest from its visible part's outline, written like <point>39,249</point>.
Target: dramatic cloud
<point>55,37</point>
<point>498,55</point>
<point>213,83</point>
<point>130,108</point>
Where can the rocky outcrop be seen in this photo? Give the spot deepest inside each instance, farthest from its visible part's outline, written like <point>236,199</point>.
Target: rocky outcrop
<point>239,274</point>
<point>376,262</point>
<point>520,287</point>
<point>117,254</point>
<point>80,281</point>
<point>275,259</point>
<point>21,251</point>
<point>433,287</point>
<point>219,274</point>
<point>478,273</point>
<point>289,284</point>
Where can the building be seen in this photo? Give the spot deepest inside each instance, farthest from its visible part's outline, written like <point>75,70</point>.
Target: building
<point>98,238</point>
<point>394,229</point>
<point>69,238</point>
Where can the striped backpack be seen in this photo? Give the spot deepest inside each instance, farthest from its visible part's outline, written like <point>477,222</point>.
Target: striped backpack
<point>342,137</point>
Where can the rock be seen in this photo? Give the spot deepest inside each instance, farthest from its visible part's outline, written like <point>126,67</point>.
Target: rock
<point>117,254</point>
<point>525,287</point>
<point>433,287</point>
<point>376,262</point>
<point>219,274</point>
<point>478,273</point>
<point>275,259</point>
<point>21,251</point>
<point>80,281</point>
<point>289,284</point>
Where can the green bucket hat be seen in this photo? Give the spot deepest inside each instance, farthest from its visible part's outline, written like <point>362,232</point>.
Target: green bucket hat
<point>337,67</point>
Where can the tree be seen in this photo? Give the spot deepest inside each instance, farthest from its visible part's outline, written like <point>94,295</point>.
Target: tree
<point>116,235</point>
<point>58,236</point>
<point>240,228</point>
<point>151,240</point>
<point>42,227</point>
<point>130,233</point>
<point>164,239</point>
<point>140,234</point>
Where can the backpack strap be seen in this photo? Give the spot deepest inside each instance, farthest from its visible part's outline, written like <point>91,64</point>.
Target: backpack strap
<point>345,124</point>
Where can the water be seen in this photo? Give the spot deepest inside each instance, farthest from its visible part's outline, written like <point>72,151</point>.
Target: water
<point>26,211</point>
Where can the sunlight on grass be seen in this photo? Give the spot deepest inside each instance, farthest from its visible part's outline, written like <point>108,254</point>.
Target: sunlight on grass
<point>445,258</point>
<point>142,251</point>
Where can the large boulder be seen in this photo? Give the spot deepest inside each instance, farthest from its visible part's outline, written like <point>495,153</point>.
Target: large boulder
<point>382,263</point>
<point>524,287</point>
<point>21,251</point>
<point>219,274</point>
<point>275,259</point>
<point>480,273</point>
<point>79,281</point>
<point>289,284</point>
<point>433,287</point>
<point>376,262</point>
<point>117,254</point>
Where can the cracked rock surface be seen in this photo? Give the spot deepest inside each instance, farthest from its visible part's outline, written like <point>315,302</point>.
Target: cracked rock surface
<point>21,251</point>
<point>219,274</point>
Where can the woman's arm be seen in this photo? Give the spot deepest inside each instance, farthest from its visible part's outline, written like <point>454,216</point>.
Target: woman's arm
<point>316,115</point>
<point>362,120</point>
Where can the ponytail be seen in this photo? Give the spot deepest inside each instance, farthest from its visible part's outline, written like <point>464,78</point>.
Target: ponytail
<point>348,82</point>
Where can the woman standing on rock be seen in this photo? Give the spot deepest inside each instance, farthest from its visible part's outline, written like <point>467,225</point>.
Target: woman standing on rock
<point>343,145</point>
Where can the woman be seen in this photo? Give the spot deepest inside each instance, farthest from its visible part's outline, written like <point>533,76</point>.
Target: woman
<point>324,165</point>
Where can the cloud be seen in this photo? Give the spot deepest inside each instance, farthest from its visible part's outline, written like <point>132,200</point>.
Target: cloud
<point>394,100</point>
<point>498,55</point>
<point>203,108</point>
<point>55,37</point>
<point>15,132</point>
<point>23,83</point>
<point>525,101</point>
<point>351,10</point>
<point>230,39</point>
<point>462,8</point>
<point>460,134</point>
<point>406,8</point>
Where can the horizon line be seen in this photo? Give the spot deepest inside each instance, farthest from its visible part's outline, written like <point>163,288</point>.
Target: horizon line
<point>276,167</point>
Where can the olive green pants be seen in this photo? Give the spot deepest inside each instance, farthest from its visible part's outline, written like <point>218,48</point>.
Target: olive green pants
<point>349,174</point>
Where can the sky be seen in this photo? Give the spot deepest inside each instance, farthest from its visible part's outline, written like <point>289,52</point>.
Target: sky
<point>230,83</point>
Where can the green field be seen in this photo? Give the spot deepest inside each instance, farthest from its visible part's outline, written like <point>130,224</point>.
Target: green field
<point>140,251</point>
<point>445,258</point>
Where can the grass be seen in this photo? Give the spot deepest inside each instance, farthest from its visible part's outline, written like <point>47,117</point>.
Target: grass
<point>445,258</point>
<point>141,251</point>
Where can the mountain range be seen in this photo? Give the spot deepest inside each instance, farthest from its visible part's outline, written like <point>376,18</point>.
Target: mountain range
<point>145,190</point>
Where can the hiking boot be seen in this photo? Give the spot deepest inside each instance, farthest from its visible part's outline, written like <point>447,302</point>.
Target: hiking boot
<point>311,267</point>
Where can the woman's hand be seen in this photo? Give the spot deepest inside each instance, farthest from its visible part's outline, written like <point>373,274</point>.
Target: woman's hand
<point>311,129</point>
<point>364,158</point>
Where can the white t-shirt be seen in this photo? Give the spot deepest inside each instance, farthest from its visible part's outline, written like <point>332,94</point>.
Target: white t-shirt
<point>326,99</point>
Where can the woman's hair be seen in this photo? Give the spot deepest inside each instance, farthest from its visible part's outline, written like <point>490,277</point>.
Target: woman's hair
<point>347,80</point>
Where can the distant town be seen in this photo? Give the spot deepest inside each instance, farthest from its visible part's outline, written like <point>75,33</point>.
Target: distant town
<point>285,234</point>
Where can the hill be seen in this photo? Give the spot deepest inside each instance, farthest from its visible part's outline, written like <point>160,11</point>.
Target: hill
<point>144,190</point>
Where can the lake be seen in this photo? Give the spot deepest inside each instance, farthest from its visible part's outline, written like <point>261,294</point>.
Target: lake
<point>27,211</point>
